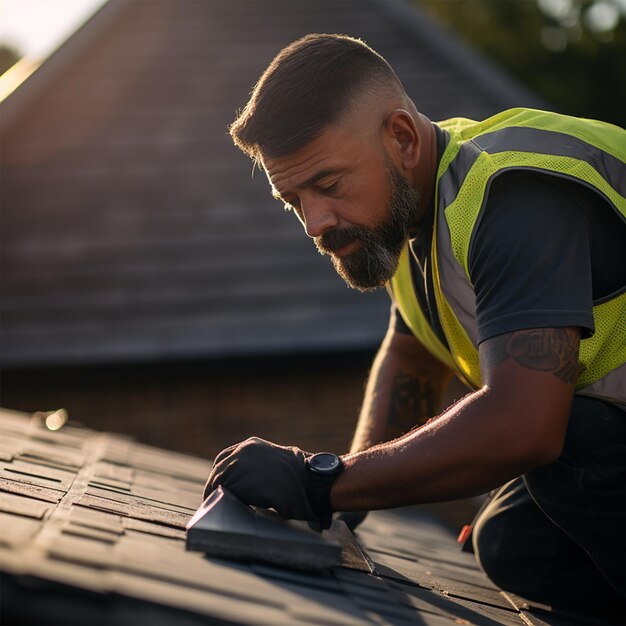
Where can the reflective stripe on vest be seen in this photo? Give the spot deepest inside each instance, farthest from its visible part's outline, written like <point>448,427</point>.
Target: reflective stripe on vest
<point>587,152</point>
<point>402,292</point>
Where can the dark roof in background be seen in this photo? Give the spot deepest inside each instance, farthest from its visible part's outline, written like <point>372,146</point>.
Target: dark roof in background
<point>131,227</point>
<point>93,533</point>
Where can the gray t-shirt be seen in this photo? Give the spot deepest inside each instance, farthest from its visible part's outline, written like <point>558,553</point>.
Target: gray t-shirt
<point>545,250</point>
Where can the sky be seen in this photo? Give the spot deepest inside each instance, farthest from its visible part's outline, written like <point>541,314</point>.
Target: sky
<point>37,27</point>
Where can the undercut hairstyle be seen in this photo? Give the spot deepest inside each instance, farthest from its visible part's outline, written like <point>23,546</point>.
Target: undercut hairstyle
<point>307,86</point>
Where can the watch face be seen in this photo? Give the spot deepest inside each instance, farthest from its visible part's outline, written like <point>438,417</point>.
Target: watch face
<point>324,463</point>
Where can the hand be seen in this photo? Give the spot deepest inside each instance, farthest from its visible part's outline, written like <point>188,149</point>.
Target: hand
<point>264,474</point>
<point>351,518</point>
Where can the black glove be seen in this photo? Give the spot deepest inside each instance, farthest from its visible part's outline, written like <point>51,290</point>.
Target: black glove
<point>264,474</point>
<point>351,518</point>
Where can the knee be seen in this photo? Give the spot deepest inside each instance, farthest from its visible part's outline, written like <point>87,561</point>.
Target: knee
<point>492,544</point>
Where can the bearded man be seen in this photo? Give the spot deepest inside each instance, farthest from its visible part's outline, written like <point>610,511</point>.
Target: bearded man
<point>501,243</point>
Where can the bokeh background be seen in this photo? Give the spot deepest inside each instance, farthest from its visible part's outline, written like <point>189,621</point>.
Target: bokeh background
<point>150,284</point>
<point>572,52</point>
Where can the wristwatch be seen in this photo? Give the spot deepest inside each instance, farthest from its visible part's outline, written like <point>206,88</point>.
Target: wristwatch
<point>322,470</point>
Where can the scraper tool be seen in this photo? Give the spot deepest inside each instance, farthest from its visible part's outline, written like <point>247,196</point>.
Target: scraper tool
<point>227,528</point>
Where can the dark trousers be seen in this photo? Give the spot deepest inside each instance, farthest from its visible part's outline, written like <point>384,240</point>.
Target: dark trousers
<point>556,534</point>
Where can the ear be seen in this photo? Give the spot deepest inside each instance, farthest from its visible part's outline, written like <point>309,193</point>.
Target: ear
<point>403,138</point>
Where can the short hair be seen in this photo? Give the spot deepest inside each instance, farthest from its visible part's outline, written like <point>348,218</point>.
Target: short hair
<point>307,86</point>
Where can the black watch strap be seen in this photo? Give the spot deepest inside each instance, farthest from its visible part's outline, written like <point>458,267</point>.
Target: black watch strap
<point>320,483</point>
<point>319,496</point>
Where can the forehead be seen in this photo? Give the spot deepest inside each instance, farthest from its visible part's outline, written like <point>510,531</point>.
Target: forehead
<point>334,150</point>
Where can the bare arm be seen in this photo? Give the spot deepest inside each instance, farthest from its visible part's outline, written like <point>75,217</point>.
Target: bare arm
<point>404,390</point>
<point>515,422</point>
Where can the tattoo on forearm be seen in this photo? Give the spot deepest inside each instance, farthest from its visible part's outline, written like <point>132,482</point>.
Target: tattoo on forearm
<point>552,350</point>
<point>412,403</point>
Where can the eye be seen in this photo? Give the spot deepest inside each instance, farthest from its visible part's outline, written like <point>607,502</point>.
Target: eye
<point>330,188</point>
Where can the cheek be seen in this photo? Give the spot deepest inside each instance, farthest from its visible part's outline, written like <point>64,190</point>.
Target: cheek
<point>373,200</point>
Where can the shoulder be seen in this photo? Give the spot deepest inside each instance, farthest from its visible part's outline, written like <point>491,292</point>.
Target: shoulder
<point>529,258</point>
<point>526,206</point>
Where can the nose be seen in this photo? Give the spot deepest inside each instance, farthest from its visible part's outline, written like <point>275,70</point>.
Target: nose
<point>317,216</point>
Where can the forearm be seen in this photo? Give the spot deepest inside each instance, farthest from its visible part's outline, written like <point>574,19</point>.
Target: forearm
<point>402,392</point>
<point>443,460</point>
<point>516,422</point>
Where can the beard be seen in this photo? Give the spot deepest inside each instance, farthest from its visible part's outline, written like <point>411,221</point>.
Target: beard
<point>375,261</point>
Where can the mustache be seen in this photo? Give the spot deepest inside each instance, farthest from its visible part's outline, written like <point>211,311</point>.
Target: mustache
<point>339,238</point>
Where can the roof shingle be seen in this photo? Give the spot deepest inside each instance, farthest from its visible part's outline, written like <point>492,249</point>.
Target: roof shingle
<point>93,523</point>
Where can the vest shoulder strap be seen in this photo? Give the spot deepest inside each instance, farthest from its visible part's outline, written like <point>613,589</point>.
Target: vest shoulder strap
<point>403,293</point>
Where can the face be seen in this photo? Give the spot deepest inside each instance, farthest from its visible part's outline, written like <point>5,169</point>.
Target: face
<point>352,201</point>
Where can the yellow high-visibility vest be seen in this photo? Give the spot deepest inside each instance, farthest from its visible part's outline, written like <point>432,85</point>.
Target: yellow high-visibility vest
<point>588,152</point>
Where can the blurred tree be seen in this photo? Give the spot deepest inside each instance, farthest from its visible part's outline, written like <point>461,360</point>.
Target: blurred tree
<point>9,56</point>
<point>570,52</point>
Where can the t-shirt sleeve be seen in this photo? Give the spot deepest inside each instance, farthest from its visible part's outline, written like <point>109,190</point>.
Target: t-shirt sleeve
<point>529,260</point>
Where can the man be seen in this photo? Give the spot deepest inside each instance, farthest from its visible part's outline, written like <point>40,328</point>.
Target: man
<point>502,245</point>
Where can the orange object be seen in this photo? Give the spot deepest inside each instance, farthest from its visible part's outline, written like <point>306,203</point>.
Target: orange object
<point>464,534</point>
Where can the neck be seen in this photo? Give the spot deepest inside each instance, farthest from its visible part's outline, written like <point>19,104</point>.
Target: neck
<point>425,172</point>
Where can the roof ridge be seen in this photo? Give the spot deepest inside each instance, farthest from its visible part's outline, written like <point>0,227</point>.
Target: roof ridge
<point>35,81</point>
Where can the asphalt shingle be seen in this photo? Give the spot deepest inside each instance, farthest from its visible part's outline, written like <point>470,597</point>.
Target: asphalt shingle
<point>119,557</point>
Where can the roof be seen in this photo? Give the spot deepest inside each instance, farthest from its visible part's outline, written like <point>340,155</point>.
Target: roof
<point>132,228</point>
<point>94,524</point>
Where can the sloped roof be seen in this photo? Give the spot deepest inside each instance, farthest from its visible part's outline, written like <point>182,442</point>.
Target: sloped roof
<point>131,227</point>
<point>93,533</point>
